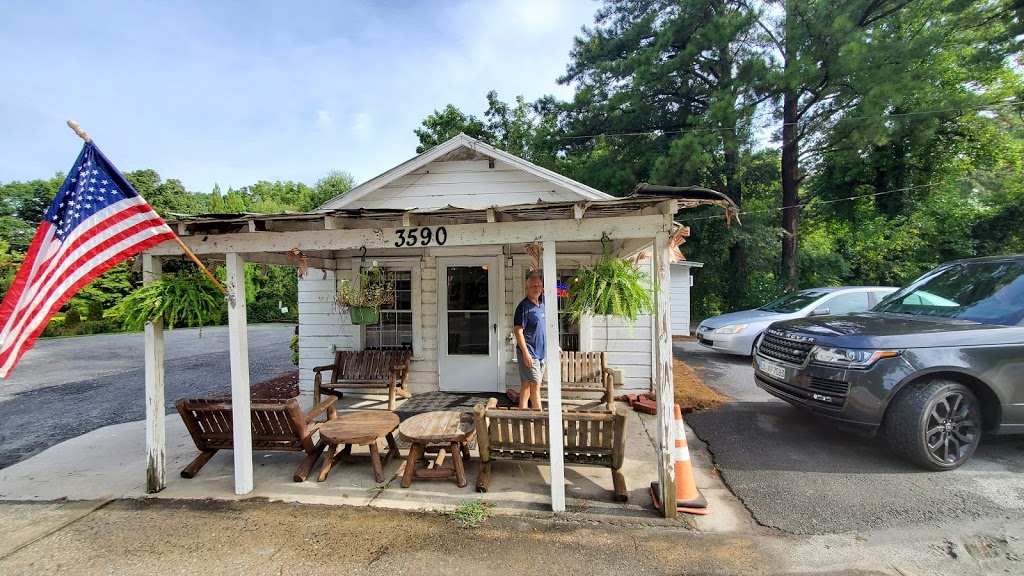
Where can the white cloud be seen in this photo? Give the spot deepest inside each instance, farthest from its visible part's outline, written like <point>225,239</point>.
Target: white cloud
<point>362,125</point>
<point>324,119</point>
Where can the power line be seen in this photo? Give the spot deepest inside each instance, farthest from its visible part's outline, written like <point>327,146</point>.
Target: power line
<point>834,200</point>
<point>978,107</point>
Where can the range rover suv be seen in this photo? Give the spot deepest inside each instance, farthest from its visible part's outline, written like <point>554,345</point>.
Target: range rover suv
<point>934,366</point>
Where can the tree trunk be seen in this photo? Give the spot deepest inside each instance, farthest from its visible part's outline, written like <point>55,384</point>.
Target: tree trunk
<point>790,192</point>
<point>790,165</point>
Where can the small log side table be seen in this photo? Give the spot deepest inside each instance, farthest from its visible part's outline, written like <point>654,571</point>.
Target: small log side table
<point>363,428</point>
<point>436,432</point>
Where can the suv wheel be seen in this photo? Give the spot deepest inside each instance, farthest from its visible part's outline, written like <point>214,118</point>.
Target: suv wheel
<point>935,424</point>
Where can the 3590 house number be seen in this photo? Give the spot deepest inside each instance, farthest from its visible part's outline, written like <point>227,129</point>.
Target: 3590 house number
<point>421,236</point>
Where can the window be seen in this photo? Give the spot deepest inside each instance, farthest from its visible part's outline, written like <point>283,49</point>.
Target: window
<point>568,331</point>
<point>846,303</point>
<point>394,328</point>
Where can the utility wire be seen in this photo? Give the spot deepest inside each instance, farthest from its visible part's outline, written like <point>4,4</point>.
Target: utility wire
<point>978,107</point>
<point>834,200</point>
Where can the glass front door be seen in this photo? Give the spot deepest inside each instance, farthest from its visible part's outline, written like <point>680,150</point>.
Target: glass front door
<point>467,325</point>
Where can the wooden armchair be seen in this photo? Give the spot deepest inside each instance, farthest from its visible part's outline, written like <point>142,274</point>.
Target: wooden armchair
<point>382,369</point>
<point>587,372</point>
<point>276,425</point>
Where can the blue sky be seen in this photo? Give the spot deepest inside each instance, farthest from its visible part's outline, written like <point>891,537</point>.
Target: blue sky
<point>237,92</point>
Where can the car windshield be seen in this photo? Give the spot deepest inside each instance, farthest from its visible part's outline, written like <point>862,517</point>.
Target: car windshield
<point>793,302</point>
<point>985,292</point>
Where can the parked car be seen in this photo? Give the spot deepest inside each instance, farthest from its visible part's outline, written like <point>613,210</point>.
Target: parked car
<point>736,332</point>
<point>934,366</point>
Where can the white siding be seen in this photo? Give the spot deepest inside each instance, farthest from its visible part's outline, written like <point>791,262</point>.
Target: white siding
<point>323,326</point>
<point>628,350</point>
<point>465,184</point>
<point>680,300</point>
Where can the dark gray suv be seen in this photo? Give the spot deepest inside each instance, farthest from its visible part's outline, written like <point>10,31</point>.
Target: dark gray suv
<point>934,365</point>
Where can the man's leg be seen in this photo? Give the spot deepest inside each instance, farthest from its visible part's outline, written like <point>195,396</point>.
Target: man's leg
<point>524,396</point>
<point>534,394</point>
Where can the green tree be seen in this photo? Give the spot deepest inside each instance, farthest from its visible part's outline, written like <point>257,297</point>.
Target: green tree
<point>669,89</point>
<point>446,124</point>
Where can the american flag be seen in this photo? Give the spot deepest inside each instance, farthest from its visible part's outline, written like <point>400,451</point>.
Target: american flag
<point>96,221</point>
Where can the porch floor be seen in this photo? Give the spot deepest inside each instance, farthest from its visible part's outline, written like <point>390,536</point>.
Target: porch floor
<point>111,463</point>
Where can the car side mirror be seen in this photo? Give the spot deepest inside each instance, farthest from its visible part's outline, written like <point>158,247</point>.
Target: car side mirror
<point>820,312</point>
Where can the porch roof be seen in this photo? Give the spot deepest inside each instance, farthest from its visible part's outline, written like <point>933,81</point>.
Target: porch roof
<point>644,200</point>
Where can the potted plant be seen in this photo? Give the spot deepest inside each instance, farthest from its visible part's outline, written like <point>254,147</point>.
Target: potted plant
<point>376,288</point>
<point>612,287</point>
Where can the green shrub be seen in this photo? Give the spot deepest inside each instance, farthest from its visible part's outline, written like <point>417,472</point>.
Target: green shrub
<point>294,345</point>
<point>73,317</point>
<point>95,311</point>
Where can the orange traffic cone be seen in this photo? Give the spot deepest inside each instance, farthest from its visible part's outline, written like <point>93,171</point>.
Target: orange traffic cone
<point>688,497</point>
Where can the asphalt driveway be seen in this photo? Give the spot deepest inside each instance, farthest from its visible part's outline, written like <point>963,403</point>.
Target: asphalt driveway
<point>66,387</point>
<point>802,475</point>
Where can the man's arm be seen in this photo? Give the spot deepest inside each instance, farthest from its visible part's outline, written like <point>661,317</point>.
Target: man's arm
<point>521,343</point>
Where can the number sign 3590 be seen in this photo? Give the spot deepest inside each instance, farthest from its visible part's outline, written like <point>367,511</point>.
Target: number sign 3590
<point>421,236</point>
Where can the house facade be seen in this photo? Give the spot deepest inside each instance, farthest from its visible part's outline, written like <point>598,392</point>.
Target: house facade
<point>459,227</point>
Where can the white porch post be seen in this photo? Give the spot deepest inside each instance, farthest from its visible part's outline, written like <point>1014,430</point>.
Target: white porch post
<point>156,440</point>
<point>239,353</point>
<point>554,364</point>
<point>663,385</point>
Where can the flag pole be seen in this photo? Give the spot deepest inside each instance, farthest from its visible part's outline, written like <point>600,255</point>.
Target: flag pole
<point>81,133</point>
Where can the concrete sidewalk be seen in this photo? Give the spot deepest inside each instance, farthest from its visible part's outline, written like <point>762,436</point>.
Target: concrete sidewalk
<point>110,463</point>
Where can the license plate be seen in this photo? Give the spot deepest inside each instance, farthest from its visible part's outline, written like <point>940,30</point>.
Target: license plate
<point>774,370</point>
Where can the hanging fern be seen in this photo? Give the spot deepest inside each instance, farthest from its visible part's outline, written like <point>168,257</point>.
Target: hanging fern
<point>613,287</point>
<point>186,298</point>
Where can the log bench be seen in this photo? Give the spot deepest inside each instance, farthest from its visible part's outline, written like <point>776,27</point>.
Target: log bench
<point>276,425</point>
<point>366,369</point>
<point>586,372</point>
<point>595,437</point>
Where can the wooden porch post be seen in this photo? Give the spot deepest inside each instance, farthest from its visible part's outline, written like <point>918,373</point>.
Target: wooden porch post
<point>554,364</point>
<point>663,385</point>
<point>156,440</point>
<point>239,352</point>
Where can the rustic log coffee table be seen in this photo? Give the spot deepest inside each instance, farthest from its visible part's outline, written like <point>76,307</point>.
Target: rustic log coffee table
<point>363,428</point>
<point>436,432</point>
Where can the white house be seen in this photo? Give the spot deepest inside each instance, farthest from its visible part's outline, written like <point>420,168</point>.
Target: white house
<point>453,224</point>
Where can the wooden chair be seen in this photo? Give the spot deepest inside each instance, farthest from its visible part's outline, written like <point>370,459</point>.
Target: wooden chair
<point>276,425</point>
<point>596,438</point>
<point>587,372</point>
<point>383,369</point>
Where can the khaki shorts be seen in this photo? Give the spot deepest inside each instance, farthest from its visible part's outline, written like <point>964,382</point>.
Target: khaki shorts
<point>535,374</point>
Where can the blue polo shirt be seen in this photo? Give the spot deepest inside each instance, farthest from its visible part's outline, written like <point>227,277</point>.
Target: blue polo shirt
<point>531,317</point>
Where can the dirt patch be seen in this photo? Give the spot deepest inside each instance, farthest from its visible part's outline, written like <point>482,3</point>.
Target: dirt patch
<point>680,338</point>
<point>691,390</point>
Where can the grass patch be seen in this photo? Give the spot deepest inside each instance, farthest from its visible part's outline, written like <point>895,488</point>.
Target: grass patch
<point>691,390</point>
<point>469,514</point>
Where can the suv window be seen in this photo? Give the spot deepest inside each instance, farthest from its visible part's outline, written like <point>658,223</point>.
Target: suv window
<point>846,303</point>
<point>985,292</point>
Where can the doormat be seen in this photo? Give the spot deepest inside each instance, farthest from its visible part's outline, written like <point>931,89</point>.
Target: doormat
<point>446,401</point>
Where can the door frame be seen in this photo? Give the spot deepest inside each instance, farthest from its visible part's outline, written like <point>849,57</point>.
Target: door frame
<point>496,298</point>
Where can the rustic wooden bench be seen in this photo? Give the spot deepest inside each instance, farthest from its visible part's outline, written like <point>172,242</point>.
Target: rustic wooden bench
<point>589,437</point>
<point>587,372</point>
<point>384,369</point>
<point>276,425</point>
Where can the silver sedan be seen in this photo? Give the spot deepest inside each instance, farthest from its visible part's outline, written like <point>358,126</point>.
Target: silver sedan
<point>736,332</point>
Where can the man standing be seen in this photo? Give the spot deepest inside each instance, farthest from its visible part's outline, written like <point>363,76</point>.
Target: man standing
<point>531,338</point>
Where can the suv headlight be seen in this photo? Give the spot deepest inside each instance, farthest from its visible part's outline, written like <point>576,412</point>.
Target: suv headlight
<point>731,329</point>
<point>849,357</point>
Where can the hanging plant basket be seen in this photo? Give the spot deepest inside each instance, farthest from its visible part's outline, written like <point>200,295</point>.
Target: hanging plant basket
<point>612,287</point>
<point>363,314</point>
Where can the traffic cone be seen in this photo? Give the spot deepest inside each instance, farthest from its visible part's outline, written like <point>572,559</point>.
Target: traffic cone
<point>688,497</point>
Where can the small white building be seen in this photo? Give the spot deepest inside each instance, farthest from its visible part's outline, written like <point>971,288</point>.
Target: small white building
<point>453,225</point>
<point>682,282</point>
